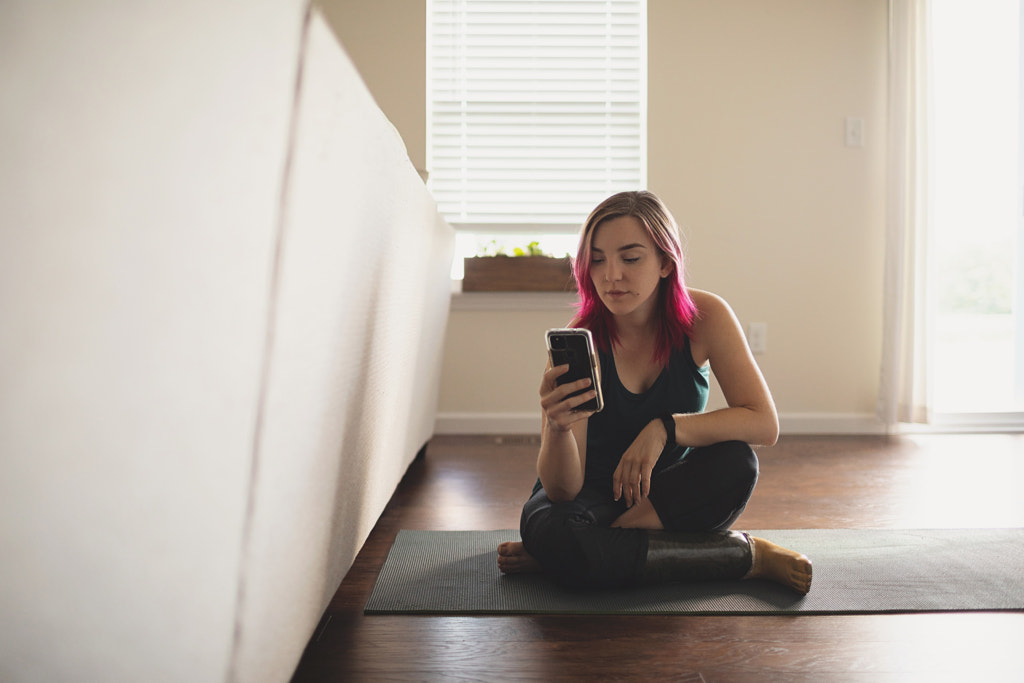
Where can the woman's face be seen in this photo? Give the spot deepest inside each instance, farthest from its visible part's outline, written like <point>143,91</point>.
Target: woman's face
<point>626,266</point>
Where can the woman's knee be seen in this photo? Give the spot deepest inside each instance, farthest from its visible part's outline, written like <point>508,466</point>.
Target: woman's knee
<point>732,461</point>
<point>708,490</point>
<point>575,550</point>
<point>550,534</point>
<point>744,460</point>
<point>544,524</point>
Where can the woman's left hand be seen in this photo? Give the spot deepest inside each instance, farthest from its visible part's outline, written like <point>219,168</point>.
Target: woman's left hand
<point>632,478</point>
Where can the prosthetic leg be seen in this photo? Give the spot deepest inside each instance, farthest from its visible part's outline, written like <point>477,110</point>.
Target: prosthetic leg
<point>684,557</point>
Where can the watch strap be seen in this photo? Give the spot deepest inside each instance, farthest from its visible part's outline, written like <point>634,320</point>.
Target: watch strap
<point>670,428</point>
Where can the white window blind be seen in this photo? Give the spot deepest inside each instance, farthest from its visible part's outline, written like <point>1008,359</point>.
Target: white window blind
<point>537,108</point>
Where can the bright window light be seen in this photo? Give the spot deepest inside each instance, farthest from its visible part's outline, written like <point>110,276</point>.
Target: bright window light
<point>975,207</point>
<point>536,110</point>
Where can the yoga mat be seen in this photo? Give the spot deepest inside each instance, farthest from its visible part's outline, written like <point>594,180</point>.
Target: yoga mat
<point>856,571</point>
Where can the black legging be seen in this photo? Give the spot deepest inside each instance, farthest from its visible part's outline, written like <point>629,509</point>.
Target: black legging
<point>574,542</point>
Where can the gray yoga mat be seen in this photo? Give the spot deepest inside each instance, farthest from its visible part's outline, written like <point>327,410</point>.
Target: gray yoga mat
<point>856,571</point>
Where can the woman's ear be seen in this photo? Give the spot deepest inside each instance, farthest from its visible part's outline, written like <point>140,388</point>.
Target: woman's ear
<point>667,265</point>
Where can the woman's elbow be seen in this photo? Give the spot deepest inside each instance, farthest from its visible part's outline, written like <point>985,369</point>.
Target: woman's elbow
<point>769,435</point>
<point>762,426</point>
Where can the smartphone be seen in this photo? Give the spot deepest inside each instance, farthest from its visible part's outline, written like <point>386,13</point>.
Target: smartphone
<point>575,348</point>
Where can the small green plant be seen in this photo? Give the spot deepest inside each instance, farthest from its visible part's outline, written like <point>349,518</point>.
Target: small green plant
<point>532,249</point>
<point>493,248</point>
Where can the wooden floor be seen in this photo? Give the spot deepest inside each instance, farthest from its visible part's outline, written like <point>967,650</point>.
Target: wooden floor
<point>961,481</point>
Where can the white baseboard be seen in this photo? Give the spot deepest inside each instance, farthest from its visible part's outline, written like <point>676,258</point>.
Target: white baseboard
<point>487,423</point>
<point>529,423</point>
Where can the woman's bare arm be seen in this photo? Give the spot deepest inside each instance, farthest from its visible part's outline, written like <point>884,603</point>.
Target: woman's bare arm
<point>751,415</point>
<point>562,459</point>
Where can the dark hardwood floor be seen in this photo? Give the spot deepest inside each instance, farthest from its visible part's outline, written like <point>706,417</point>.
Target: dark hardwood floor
<point>933,481</point>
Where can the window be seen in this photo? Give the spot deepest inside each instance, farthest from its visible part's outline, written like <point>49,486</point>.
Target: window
<point>536,112</point>
<point>976,282</point>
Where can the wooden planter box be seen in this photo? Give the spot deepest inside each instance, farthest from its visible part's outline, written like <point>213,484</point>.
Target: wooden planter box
<point>518,274</point>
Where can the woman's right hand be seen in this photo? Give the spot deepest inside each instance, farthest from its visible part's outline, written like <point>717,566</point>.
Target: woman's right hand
<point>559,408</point>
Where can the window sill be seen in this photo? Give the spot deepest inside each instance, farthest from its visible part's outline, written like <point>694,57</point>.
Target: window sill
<point>511,301</point>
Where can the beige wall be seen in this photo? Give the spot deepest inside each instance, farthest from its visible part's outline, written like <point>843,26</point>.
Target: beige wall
<point>783,219</point>
<point>387,40</point>
<point>747,105</point>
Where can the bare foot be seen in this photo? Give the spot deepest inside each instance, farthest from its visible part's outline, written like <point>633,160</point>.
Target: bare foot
<point>781,565</point>
<point>513,559</point>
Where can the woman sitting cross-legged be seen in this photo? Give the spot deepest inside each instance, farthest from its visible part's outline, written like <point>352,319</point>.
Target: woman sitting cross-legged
<point>645,490</point>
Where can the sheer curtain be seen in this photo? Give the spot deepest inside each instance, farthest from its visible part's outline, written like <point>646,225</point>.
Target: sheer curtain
<point>903,385</point>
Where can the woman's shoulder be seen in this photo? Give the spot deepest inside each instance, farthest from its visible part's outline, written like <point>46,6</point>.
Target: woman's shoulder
<point>715,322</point>
<point>709,306</point>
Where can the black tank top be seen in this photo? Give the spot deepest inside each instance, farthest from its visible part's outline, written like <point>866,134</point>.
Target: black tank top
<point>682,387</point>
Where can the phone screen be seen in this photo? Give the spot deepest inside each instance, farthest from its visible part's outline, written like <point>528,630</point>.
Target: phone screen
<point>575,348</point>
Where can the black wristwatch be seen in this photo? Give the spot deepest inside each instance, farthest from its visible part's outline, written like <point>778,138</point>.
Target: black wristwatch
<point>670,429</point>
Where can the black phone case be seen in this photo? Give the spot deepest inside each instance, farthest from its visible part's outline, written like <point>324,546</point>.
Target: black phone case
<point>574,348</point>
